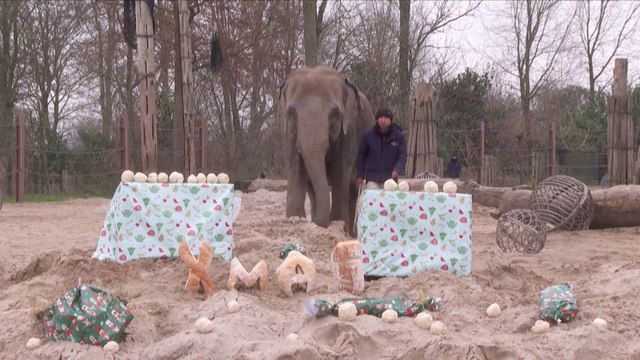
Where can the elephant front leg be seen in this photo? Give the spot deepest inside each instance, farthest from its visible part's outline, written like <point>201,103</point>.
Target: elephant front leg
<point>297,186</point>
<point>341,203</point>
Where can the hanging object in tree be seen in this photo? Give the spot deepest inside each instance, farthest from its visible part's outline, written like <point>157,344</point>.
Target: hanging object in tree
<point>130,21</point>
<point>216,52</point>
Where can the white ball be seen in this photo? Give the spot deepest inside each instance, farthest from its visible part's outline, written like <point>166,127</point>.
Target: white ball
<point>389,316</point>
<point>390,185</point>
<point>192,179</point>
<point>233,306</point>
<point>173,177</point>
<point>600,324</point>
<point>34,343</point>
<point>431,186</point>
<point>424,320</point>
<point>152,178</point>
<point>541,327</point>
<point>111,347</point>
<point>223,178</point>
<point>403,186</point>
<point>204,325</point>
<point>140,177</point>
<point>180,178</point>
<point>202,178</point>
<point>449,187</point>
<point>494,310</point>
<point>438,328</point>
<point>212,178</point>
<point>347,311</point>
<point>127,176</point>
<point>163,177</point>
<point>292,337</point>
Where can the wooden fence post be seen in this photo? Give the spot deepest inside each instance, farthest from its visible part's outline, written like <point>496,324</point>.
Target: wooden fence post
<point>553,167</point>
<point>124,143</point>
<point>147,87</point>
<point>187,88</point>
<point>203,145</point>
<point>20,158</point>
<point>620,129</point>
<point>481,139</point>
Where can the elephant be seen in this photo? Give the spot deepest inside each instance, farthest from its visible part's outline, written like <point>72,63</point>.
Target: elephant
<point>324,119</point>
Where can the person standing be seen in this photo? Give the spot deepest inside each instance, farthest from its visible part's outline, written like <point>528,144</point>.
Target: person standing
<point>383,152</point>
<point>454,167</point>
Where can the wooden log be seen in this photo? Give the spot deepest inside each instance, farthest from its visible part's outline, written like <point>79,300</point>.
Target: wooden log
<point>617,206</point>
<point>267,184</point>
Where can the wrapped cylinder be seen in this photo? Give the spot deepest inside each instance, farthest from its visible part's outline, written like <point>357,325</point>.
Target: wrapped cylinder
<point>521,230</point>
<point>562,203</point>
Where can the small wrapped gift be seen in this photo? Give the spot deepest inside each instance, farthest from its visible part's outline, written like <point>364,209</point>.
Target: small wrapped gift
<point>86,315</point>
<point>558,303</point>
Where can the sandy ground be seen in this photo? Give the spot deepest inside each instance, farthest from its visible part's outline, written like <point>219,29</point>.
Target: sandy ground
<point>47,247</point>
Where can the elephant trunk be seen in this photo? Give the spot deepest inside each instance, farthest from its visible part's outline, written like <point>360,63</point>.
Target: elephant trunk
<point>314,160</point>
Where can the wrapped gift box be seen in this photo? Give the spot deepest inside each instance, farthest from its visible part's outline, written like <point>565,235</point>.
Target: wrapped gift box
<point>404,233</point>
<point>147,220</point>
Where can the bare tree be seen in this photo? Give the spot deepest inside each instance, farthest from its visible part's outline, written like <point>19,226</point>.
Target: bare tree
<point>608,25</point>
<point>53,81</point>
<point>10,73</point>
<point>312,29</point>
<point>403,53</point>
<point>529,46</point>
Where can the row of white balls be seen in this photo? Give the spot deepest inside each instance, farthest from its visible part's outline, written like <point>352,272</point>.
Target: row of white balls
<point>174,177</point>
<point>430,186</point>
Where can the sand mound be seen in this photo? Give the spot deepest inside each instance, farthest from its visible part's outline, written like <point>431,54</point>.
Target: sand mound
<point>47,248</point>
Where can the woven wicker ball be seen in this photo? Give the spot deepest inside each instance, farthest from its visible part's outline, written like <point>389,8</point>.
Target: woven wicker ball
<point>521,230</point>
<point>562,203</point>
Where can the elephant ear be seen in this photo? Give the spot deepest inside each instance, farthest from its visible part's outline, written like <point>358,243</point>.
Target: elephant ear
<point>352,105</point>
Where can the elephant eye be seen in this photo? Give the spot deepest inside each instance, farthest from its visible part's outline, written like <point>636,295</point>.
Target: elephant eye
<point>291,113</point>
<point>335,114</point>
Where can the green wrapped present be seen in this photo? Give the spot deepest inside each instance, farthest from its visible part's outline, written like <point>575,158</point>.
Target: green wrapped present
<point>373,306</point>
<point>86,315</point>
<point>296,246</point>
<point>558,303</point>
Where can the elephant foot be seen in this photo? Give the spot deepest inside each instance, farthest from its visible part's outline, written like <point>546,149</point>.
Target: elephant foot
<point>296,211</point>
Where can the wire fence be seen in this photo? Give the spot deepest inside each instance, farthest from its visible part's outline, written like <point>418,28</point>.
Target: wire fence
<point>91,164</point>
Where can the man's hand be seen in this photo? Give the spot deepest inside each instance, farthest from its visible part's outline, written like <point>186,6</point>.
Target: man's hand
<point>395,175</point>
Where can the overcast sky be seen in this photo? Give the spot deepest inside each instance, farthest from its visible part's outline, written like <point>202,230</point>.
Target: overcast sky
<point>473,41</point>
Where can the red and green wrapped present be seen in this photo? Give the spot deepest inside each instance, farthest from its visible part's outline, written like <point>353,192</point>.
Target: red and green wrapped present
<point>558,303</point>
<point>373,306</point>
<point>86,315</point>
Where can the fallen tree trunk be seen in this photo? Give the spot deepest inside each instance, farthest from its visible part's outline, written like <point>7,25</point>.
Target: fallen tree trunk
<point>617,206</point>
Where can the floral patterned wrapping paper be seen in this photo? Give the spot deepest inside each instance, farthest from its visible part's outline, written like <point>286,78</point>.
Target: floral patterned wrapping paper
<point>86,315</point>
<point>558,303</point>
<point>404,233</point>
<point>150,220</point>
<point>373,306</point>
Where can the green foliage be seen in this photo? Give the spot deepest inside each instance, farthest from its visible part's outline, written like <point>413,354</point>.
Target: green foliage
<point>462,105</point>
<point>463,100</point>
<point>587,123</point>
<point>31,198</point>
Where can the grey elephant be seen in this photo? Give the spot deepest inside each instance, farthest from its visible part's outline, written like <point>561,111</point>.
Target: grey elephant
<point>324,118</point>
